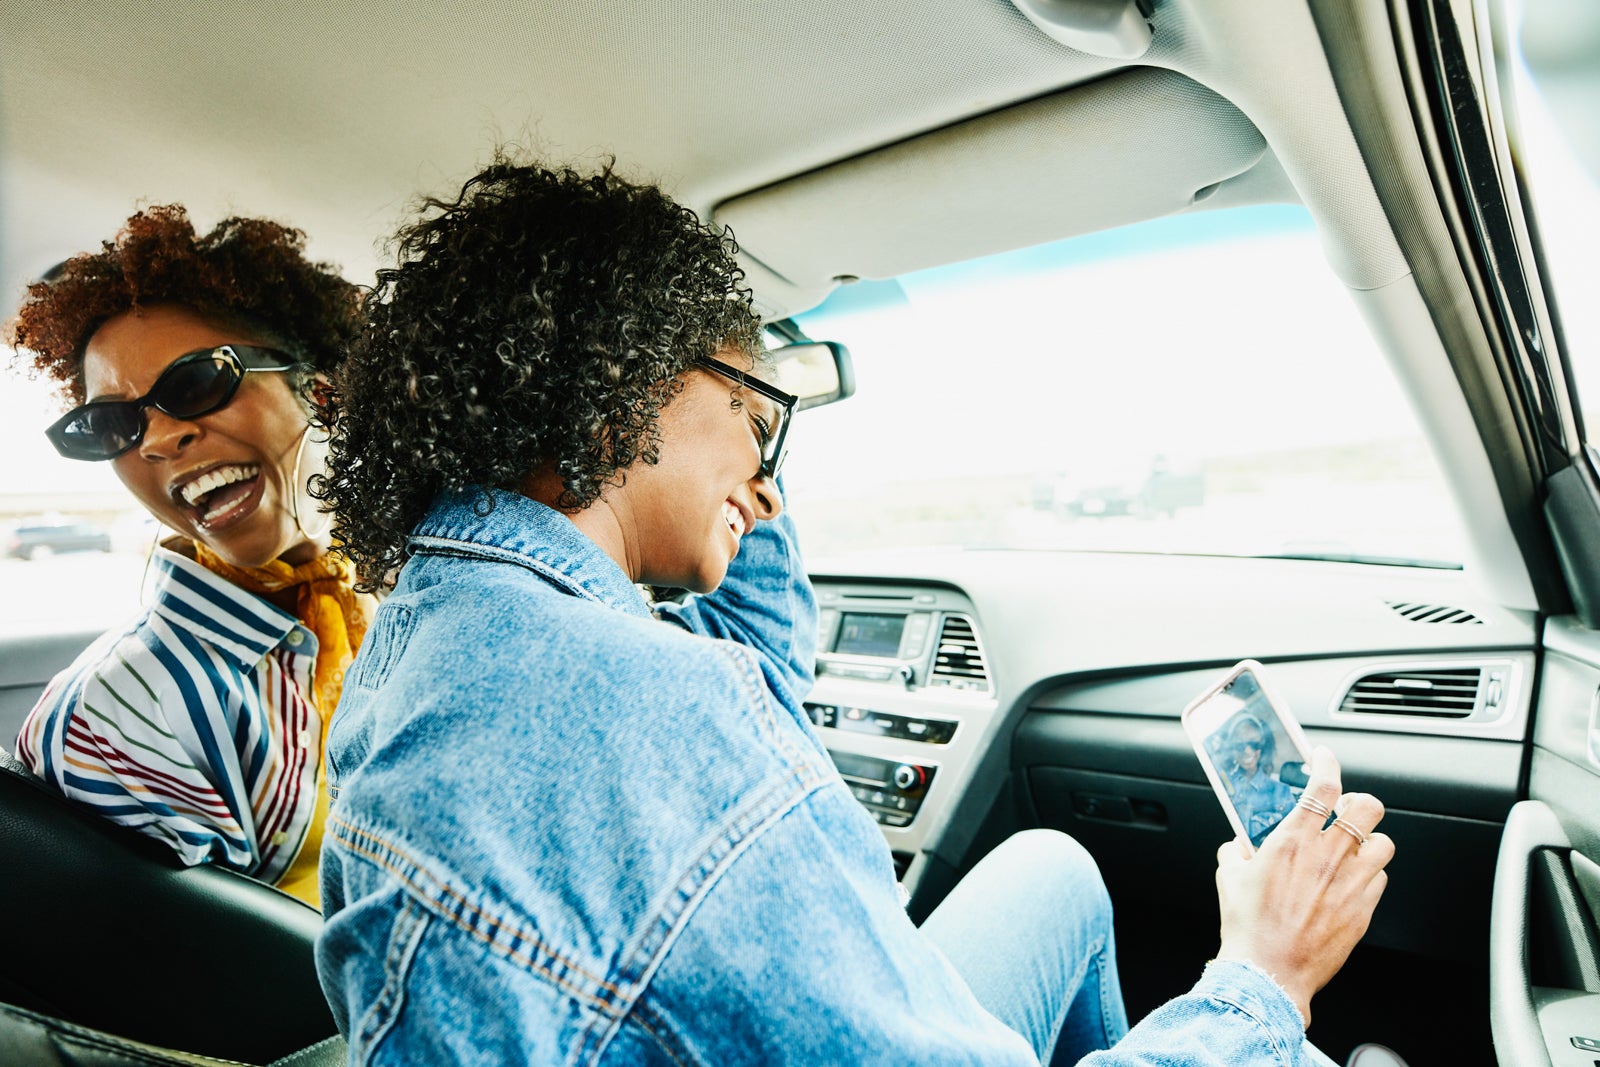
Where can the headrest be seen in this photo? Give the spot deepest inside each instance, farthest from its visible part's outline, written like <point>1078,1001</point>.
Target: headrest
<point>11,765</point>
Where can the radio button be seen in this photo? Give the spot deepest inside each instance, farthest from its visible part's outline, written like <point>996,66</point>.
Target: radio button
<point>909,778</point>
<point>915,636</point>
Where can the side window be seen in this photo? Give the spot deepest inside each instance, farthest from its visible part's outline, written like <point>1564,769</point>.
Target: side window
<point>73,541</point>
<point>1556,80</point>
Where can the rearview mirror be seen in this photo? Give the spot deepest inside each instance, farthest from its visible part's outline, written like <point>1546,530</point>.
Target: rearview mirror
<point>818,372</point>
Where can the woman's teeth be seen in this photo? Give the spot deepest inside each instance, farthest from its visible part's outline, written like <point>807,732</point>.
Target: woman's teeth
<point>216,479</point>
<point>735,521</point>
<point>225,506</point>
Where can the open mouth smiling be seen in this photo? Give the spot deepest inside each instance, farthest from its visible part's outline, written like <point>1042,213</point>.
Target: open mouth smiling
<point>739,522</point>
<point>218,494</point>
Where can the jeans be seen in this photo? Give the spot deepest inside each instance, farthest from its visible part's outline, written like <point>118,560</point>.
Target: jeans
<point>1029,929</point>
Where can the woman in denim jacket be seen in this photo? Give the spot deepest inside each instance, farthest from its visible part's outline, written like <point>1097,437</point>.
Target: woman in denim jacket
<point>567,833</point>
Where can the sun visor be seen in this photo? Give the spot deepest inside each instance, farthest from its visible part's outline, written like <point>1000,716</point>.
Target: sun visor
<point>1132,146</point>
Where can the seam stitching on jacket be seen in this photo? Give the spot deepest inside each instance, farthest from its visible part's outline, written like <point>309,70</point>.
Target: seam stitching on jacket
<point>512,931</point>
<point>443,546</point>
<point>652,1024</point>
<point>701,877</point>
<point>761,697</point>
<point>1283,1054</point>
<point>404,936</point>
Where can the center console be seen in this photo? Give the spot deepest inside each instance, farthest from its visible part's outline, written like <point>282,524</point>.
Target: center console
<point>903,701</point>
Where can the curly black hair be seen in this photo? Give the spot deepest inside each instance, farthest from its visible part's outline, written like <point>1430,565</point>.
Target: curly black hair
<point>543,317</point>
<point>246,274</point>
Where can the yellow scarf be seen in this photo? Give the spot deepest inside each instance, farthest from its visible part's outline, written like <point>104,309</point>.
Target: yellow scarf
<point>326,604</point>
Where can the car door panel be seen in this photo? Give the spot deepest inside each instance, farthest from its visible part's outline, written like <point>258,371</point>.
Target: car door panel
<point>26,666</point>
<point>1544,951</point>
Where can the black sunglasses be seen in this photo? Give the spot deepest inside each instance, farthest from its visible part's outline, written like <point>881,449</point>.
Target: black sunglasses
<point>194,384</point>
<point>772,453</point>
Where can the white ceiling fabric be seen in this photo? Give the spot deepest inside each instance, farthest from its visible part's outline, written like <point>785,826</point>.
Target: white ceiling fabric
<point>334,116</point>
<point>1137,145</point>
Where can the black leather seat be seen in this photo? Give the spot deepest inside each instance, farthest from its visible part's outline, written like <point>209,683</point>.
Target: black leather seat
<point>104,929</point>
<point>28,1039</point>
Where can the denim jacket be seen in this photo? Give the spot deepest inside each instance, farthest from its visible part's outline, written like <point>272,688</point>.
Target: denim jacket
<point>566,833</point>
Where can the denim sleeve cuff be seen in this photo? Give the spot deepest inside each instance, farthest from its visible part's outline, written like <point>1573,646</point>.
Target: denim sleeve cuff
<point>1254,992</point>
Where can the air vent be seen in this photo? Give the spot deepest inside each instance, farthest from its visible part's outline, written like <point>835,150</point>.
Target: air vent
<point>1434,613</point>
<point>1435,693</point>
<point>958,664</point>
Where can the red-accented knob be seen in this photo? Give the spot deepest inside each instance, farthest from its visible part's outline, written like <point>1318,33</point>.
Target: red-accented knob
<point>909,778</point>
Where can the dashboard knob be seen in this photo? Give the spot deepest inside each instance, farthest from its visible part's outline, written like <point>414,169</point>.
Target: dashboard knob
<point>908,777</point>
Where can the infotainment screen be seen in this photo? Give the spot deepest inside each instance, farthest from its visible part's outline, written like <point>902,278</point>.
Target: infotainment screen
<point>861,634</point>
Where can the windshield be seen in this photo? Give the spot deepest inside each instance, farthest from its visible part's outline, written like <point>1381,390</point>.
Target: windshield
<point>1197,384</point>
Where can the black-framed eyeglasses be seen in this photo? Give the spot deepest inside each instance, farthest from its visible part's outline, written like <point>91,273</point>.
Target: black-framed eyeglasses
<point>771,437</point>
<point>196,383</point>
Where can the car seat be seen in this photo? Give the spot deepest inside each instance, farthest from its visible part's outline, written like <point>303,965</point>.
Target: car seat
<point>32,1040</point>
<point>106,930</point>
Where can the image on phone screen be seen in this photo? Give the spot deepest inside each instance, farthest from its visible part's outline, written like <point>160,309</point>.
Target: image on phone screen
<point>1255,755</point>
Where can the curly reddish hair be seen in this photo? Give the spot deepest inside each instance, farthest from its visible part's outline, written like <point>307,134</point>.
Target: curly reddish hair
<point>246,274</point>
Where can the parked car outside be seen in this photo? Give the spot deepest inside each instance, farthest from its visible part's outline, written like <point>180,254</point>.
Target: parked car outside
<point>43,541</point>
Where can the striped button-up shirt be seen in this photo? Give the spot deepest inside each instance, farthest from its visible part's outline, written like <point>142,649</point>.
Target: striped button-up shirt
<point>191,725</point>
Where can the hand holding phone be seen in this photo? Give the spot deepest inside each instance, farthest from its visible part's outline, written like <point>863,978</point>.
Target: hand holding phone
<point>1298,906</point>
<point>1294,902</point>
<point>1254,753</point>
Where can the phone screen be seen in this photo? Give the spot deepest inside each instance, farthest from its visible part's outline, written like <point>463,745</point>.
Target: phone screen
<point>1253,751</point>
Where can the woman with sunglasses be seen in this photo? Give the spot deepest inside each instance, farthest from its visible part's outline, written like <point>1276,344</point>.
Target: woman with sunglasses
<point>192,361</point>
<point>1261,799</point>
<point>564,832</point>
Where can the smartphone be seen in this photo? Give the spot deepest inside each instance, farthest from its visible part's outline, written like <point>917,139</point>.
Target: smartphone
<point>1254,753</point>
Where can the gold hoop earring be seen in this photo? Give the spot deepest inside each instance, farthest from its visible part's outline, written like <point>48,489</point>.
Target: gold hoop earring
<point>144,576</point>
<point>298,487</point>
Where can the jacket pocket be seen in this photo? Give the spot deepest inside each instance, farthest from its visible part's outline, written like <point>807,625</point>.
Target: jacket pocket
<point>384,643</point>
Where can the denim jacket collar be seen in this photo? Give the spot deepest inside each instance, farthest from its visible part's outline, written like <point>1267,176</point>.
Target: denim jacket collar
<point>494,524</point>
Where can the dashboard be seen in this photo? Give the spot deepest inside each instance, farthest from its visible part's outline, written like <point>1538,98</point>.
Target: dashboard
<point>1047,687</point>
<point>905,702</point>
<point>967,694</point>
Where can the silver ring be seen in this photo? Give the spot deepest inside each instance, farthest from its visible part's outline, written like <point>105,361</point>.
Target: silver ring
<point>1350,828</point>
<point>1313,805</point>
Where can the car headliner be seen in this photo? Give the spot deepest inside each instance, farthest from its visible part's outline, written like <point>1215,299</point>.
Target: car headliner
<point>335,117</point>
